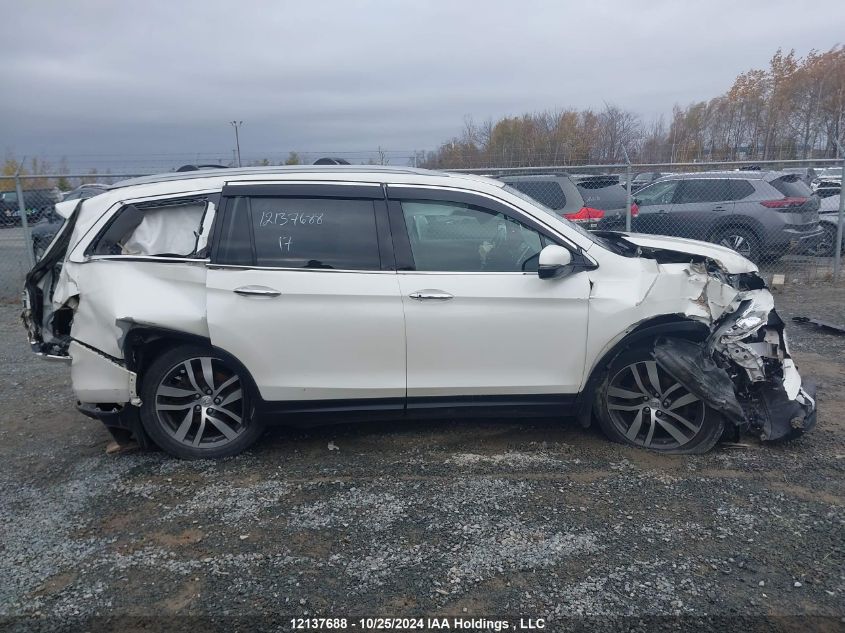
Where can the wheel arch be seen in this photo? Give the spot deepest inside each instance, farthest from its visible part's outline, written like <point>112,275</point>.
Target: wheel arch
<point>649,330</point>
<point>737,221</point>
<point>142,344</point>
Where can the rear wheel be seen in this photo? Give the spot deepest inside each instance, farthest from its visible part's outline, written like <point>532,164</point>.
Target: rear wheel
<point>826,246</point>
<point>195,405</point>
<point>739,239</point>
<point>640,404</point>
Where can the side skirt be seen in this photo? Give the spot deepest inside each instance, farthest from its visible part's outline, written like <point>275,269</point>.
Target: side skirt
<point>326,412</point>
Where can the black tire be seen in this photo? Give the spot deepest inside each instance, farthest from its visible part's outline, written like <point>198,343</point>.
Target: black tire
<point>190,418</point>
<point>740,239</point>
<point>659,427</point>
<point>826,246</point>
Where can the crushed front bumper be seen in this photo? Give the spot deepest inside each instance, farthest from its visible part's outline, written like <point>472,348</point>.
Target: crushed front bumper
<point>745,371</point>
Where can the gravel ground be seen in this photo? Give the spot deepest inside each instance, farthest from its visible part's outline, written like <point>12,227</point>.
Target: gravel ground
<point>493,519</point>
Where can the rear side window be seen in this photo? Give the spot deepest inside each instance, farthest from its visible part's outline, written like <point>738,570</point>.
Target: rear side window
<point>792,186</point>
<point>739,189</point>
<point>302,233</point>
<point>703,190</point>
<point>547,192</point>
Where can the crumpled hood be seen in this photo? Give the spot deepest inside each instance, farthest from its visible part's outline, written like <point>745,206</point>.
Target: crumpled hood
<point>730,261</point>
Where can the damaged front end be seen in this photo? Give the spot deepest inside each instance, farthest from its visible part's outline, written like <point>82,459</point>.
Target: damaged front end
<point>743,369</point>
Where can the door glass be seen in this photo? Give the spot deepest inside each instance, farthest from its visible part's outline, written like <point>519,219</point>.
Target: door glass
<point>447,236</point>
<point>315,233</point>
<point>704,190</point>
<point>658,193</point>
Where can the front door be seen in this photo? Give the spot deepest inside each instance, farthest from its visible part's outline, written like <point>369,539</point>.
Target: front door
<point>301,290</point>
<point>699,204</point>
<point>478,319</point>
<point>655,205</point>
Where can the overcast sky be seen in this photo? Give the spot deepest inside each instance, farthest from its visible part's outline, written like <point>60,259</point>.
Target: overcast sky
<point>143,78</point>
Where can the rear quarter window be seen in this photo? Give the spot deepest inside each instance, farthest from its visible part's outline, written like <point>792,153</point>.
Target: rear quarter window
<point>167,228</point>
<point>792,186</point>
<point>547,192</point>
<point>604,194</point>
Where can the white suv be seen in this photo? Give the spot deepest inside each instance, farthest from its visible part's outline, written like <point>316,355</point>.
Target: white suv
<point>198,307</point>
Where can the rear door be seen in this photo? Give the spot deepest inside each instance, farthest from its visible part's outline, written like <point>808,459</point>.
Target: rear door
<point>698,205</point>
<point>302,290</point>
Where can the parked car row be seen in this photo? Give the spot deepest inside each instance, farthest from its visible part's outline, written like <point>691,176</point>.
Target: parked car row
<point>37,203</point>
<point>828,182</point>
<point>760,214</point>
<point>596,202</point>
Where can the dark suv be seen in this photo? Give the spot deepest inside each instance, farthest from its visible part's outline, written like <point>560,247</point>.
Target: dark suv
<point>761,215</point>
<point>38,202</point>
<point>597,202</point>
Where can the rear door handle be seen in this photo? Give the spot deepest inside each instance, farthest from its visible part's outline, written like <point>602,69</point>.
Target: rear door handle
<point>719,208</point>
<point>258,291</point>
<point>662,211</point>
<point>427,295</point>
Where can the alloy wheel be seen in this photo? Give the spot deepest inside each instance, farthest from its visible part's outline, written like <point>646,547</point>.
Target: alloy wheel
<point>738,243</point>
<point>200,403</point>
<point>652,409</point>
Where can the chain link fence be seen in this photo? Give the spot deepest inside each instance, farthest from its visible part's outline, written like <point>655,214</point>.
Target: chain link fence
<point>783,215</point>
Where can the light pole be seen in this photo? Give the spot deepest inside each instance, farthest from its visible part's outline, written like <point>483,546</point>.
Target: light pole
<point>236,125</point>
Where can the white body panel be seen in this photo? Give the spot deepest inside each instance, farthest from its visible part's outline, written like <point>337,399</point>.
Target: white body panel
<point>328,335</point>
<point>501,333</point>
<point>333,335</point>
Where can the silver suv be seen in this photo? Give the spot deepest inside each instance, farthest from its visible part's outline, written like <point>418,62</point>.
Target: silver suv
<point>761,215</point>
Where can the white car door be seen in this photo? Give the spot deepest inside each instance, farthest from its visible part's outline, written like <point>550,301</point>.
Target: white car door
<point>302,290</point>
<point>479,321</point>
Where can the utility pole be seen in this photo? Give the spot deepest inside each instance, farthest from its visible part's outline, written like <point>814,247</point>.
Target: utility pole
<point>237,125</point>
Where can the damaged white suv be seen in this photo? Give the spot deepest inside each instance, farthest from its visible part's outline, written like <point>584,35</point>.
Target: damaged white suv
<point>198,307</point>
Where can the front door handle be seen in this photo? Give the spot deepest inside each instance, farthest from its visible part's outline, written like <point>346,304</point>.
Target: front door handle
<point>426,295</point>
<point>258,291</point>
<point>719,208</point>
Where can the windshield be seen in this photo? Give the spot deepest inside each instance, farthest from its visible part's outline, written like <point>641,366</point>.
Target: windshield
<point>830,172</point>
<point>539,205</point>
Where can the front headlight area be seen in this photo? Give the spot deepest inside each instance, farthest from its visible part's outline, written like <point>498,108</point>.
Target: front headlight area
<point>752,345</point>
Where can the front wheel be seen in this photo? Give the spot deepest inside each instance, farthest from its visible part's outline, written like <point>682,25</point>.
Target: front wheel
<point>640,404</point>
<point>195,405</point>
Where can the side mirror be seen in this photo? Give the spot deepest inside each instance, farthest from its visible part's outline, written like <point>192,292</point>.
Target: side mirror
<point>554,261</point>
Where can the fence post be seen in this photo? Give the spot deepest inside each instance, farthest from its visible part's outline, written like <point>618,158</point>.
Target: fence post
<point>837,248</point>
<point>627,190</point>
<point>27,238</point>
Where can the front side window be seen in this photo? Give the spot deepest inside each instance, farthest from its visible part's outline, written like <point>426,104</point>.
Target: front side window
<point>302,233</point>
<point>456,237</point>
<point>658,193</point>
